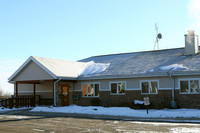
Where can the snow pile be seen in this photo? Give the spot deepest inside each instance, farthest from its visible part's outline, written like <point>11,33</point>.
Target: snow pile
<point>123,111</point>
<point>93,68</point>
<point>138,102</point>
<point>173,67</point>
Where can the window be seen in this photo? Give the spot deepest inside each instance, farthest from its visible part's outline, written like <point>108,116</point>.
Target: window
<point>117,87</point>
<point>184,86</point>
<point>150,87</point>
<point>90,90</point>
<point>189,86</point>
<point>145,87</point>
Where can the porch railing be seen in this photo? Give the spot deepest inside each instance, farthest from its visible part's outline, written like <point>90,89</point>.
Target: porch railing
<point>18,102</point>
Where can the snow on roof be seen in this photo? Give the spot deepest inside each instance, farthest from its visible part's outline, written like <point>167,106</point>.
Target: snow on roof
<point>61,68</point>
<point>173,67</point>
<point>148,62</point>
<point>93,68</point>
<point>64,68</point>
<point>137,63</point>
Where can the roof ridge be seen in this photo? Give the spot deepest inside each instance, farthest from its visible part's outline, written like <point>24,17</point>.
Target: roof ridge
<point>138,52</point>
<point>36,57</point>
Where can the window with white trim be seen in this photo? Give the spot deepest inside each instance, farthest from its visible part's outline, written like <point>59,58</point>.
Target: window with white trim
<point>117,88</point>
<point>189,86</point>
<point>90,89</point>
<point>149,87</point>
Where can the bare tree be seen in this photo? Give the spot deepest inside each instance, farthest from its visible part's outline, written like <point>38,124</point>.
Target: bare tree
<point>1,92</point>
<point>4,95</point>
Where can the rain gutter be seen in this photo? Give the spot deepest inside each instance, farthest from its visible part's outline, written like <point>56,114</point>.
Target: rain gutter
<point>54,95</point>
<point>173,103</point>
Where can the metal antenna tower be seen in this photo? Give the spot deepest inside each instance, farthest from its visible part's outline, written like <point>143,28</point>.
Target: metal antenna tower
<point>158,37</point>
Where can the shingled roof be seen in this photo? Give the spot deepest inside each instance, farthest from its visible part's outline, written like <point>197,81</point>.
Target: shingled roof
<point>148,63</point>
<point>137,64</point>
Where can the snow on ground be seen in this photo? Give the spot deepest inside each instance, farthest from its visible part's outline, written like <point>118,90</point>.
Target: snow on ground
<point>5,109</point>
<point>161,123</point>
<point>184,130</point>
<point>2,109</point>
<point>123,111</point>
<point>17,116</point>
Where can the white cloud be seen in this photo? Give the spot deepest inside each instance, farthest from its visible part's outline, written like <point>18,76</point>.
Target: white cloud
<point>7,68</point>
<point>194,14</point>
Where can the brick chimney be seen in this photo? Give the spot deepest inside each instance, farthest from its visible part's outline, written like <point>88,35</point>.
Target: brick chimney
<point>191,43</point>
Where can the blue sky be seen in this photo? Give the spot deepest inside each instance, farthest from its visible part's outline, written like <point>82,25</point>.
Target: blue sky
<point>76,29</point>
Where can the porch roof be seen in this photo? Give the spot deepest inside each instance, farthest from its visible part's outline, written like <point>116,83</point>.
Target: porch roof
<point>54,67</point>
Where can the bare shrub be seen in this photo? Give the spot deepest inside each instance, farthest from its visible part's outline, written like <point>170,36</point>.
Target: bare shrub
<point>4,95</point>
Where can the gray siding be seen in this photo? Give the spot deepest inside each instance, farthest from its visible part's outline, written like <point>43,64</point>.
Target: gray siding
<point>131,84</point>
<point>32,72</point>
<point>45,89</point>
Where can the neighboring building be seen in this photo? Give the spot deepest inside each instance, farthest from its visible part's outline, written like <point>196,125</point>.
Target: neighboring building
<point>117,79</point>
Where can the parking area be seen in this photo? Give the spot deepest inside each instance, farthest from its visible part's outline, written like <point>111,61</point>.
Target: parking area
<point>45,122</point>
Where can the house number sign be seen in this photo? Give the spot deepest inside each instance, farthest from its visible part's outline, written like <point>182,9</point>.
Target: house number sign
<point>146,101</point>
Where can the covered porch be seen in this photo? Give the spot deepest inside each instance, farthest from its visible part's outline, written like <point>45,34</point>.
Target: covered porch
<point>46,92</point>
<point>49,81</point>
<point>41,90</point>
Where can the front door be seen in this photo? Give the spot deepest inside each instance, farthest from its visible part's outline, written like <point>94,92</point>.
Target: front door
<point>65,93</point>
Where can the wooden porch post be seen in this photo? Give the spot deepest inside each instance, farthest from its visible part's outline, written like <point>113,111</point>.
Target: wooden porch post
<point>53,93</point>
<point>34,98</point>
<point>34,93</point>
<point>16,89</point>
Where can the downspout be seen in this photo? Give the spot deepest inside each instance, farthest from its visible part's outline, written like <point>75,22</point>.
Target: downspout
<point>55,82</point>
<point>173,102</point>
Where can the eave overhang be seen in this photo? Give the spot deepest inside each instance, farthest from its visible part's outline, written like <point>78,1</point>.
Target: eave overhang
<point>146,75</point>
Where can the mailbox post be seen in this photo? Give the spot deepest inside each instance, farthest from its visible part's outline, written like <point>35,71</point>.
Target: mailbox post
<point>146,103</point>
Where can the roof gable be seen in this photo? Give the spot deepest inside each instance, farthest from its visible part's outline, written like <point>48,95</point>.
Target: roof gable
<point>55,68</point>
<point>32,72</point>
<point>25,64</point>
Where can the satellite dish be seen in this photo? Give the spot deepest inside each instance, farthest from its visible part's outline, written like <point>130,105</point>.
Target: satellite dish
<point>158,37</point>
